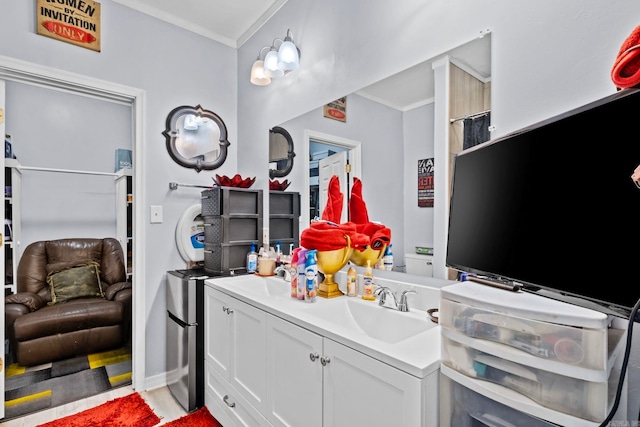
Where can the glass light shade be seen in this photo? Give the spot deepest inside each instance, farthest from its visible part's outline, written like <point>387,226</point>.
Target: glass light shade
<point>288,57</point>
<point>258,77</point>
<point>271,65</point>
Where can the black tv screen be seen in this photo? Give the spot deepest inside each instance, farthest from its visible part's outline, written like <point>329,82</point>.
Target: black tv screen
<point>553,208</point>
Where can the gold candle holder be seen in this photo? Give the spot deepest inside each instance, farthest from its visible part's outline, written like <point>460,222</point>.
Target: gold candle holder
<point>329,263</point>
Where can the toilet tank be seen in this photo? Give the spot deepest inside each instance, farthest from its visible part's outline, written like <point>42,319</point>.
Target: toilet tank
<point>419,265</point>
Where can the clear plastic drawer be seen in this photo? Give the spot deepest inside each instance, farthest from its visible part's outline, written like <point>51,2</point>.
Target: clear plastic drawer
<point>577,397</point>
<point>566,344</point>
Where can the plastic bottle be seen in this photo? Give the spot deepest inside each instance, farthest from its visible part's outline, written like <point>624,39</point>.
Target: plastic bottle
<point>352,281</point>
<point>311,276</point>
<point>368,286</point>
<point>388,258</point>
<point>293,270</point>
<point>252,259</point>
<point>302,258</point>
<point>278,253</point>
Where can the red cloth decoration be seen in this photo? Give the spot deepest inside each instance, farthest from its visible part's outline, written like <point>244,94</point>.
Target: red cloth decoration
<point>329,236</point>
<point>626,69</point>
<point>333,210</point>
<point>357,207</point>
<point>377,234</point>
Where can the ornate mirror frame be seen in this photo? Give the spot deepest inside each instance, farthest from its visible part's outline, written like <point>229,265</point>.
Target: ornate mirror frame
<point>278,132</point>
<point>176,129</point>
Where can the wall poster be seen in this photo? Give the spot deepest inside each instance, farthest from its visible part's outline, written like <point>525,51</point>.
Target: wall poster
<point>425,183</point>
<point>72,21</point>
<point>337,110</point>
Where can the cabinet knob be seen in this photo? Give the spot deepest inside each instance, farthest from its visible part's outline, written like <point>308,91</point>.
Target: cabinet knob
<point>325,361</point>
<point>227,310</point>
<point>314,356</point>
<point>225,399</point>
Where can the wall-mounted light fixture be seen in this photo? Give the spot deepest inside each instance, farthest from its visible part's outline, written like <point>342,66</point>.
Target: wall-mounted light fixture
<point>277,62</point>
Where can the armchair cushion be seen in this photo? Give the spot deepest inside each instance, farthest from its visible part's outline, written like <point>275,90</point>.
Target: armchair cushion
<point>76,281</point>
<point>32,301</point>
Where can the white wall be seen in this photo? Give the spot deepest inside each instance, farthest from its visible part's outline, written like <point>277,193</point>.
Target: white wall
<point>174,67</point>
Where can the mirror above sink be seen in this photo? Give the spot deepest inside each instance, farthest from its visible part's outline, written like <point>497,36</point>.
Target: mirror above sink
<point>385,137</point>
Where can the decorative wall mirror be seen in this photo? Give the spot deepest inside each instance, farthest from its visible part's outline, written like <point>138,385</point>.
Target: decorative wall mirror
<point>196,138</point>
<point>280,152</point>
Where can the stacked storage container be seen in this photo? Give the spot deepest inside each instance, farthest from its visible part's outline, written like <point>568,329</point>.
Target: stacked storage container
<point>516,356</point>
<point>284,219</point>
<point>232,222</point>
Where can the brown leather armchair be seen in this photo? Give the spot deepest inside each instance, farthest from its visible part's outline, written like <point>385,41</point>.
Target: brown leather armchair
<point>42,326</point>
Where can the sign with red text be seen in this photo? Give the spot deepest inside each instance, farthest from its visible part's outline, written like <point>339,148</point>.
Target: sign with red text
<point>337,110</point>
<point>425,183</point>
<point>72,21</point>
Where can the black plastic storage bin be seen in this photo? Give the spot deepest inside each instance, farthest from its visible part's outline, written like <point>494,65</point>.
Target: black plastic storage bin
<point>231,201</point>
<point>284,218</point>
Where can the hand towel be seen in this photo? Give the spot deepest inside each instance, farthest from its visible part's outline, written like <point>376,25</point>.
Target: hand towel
<point>333,210</point>
<point>357,207</point>
<point>378,234</point>
<point>626,68</point>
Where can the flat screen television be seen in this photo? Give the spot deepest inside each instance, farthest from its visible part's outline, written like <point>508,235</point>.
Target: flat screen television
<point>552,207</point>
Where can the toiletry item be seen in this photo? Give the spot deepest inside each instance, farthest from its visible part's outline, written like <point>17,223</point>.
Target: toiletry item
<point>311,276</point>
<point>368,286</point>
<point>379,265</point>
<point>266,265</point>
<point>293,270</point>
<point>302,259</point>
<point>352,281</point>
<point>388,258</point>
<point>278,252</point>
<point>252,259</point>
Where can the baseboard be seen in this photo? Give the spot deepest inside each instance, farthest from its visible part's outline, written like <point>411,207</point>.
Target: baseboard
<point>155,381</point>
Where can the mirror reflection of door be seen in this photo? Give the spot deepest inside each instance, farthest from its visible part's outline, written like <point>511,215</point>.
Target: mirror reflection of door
<point>336,164</point>
<point>319,151</point>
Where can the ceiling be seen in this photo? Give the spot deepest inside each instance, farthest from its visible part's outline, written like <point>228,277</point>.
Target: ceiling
<point>234,22</point>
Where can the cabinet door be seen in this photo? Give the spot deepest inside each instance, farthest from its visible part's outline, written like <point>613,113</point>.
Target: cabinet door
<point>217,342</point>
<point>249,353</point>
<point>359,390</point>
<point>294,375</point>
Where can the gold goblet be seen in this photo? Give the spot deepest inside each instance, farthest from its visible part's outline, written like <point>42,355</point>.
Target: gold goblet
<point>360,258</point>
<point>329,263</point>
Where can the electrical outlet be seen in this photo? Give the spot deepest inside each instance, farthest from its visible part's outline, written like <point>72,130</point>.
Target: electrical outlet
<point>265,237</point>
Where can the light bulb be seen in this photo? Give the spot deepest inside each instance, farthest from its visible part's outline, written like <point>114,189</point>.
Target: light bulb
<point>258,76</point>
<point>271,64</point>
<point>288,57</point>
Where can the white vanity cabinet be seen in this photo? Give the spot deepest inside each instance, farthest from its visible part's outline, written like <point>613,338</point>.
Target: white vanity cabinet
<point>299,377</point>
<point>235,359</point>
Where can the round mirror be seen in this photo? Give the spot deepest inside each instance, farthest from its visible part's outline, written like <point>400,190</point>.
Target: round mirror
<point>280,152</point>
<point>196,138</point>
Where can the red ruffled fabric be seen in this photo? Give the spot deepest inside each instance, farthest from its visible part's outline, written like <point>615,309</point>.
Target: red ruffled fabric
<point>333,210</point>
<point>377,234</point>
<point>357,207</point>
<point>329,236</point>
<point>626,69</point>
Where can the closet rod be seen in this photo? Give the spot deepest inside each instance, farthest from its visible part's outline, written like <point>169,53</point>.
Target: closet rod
<point>470,116</point>
<point>31,168</point>
<point>175,185</point>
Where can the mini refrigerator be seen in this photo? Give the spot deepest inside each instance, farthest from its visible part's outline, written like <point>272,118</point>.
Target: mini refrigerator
<point>185,337</point>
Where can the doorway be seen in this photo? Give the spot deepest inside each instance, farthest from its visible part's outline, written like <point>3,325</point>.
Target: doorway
<point>37,75</point>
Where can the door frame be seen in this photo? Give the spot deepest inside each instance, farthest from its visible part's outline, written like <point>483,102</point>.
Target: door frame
<point>30,73</point>
<point>355,160</point>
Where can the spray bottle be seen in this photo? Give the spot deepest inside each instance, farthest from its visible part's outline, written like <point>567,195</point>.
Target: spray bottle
<point>302,259</point>
<point>293,270</point>
<point>311,276</point>
<point>388,258</point>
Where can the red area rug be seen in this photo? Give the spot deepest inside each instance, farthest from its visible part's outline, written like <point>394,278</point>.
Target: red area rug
<point>129,410</point>
<point>200,418</point>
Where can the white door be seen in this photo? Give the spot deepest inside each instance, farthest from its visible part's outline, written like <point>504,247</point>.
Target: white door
<point>336,164</point>
<point>2,237</point>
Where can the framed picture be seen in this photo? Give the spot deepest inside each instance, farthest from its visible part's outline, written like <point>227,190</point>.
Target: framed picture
<point>337,110</point>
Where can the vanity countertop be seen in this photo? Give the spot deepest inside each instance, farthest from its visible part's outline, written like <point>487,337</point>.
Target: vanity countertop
<point>417,355</point>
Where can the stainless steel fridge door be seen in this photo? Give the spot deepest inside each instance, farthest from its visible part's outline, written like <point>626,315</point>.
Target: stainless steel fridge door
<point>181,296</point>
<point>181,361</point>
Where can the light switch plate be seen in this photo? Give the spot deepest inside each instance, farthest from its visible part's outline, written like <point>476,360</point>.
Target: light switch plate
<point>156,214</point>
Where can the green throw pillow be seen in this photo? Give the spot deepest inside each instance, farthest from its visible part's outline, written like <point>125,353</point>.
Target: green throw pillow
<point>78,281</point>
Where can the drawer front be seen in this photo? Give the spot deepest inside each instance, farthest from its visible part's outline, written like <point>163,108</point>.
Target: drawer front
<point>228,404</point>
<point>581,347</point>
<point>579,398</point>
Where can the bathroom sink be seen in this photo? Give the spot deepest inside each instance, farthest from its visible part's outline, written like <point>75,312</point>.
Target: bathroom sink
<point>380,323</point>
<point>269,287</point>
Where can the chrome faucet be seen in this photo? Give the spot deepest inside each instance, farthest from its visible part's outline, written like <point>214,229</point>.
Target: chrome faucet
<point>388,299</point>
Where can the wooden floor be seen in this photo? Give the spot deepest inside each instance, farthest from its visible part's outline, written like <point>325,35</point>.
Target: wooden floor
<point>160,400</point>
